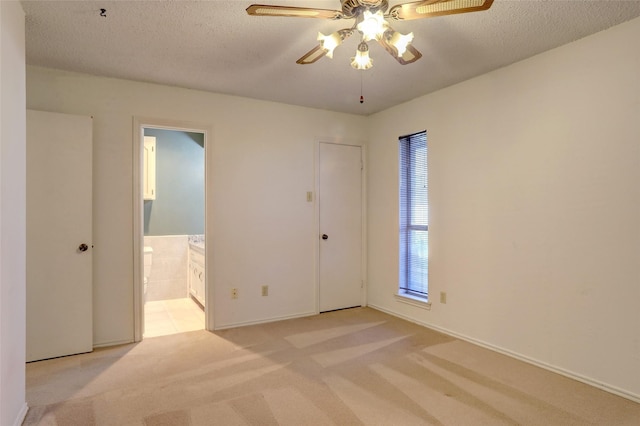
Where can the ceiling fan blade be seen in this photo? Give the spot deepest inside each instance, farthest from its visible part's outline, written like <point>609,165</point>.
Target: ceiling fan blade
<point>408,57</point>
<point>292,11</point>
<point>312,56</point>
<point>318,52</point>
<point>431,8</point>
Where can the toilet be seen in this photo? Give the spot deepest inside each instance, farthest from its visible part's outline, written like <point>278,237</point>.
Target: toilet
<point>148,260</point>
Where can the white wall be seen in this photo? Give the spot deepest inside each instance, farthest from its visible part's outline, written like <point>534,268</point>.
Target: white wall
<point>12,213</point>
<point>263,165</point>
<point>534,179</point>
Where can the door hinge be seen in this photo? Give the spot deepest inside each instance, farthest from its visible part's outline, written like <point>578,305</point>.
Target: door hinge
<point>361,284</point>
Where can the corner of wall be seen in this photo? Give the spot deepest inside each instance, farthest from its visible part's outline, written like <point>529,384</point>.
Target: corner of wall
<point>13,407</point>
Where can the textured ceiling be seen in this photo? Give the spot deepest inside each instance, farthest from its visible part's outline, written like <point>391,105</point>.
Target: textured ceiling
<point>215,46</point>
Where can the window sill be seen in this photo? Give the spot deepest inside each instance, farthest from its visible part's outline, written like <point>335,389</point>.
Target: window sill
<point>418,302</point>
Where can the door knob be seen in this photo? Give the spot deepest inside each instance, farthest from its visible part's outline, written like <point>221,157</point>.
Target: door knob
<point>83,247</point>
<point>325,236</point>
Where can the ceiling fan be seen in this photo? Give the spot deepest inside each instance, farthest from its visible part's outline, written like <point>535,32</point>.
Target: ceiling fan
<point>371,18</point>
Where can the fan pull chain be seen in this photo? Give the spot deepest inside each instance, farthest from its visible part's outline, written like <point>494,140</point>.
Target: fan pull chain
<point>361,97</point>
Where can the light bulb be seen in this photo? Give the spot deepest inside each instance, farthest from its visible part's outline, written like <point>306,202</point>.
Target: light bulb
<point>362,61</point>
<point>330,42</point>
<point>400,42</point>
<point>372,25</point>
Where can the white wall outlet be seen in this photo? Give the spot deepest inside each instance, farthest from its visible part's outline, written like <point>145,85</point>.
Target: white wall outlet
<point>443,297</point>
<point>265,290</point>
<point>234,293</point>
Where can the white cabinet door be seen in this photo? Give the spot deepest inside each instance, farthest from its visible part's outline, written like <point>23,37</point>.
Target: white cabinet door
<point>340,198</point>
<point>196,276</point>
<point>149,168</point>
<point>59,235</point>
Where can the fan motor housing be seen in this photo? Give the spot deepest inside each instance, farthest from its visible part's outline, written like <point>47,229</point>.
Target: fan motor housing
<point>351,8</point>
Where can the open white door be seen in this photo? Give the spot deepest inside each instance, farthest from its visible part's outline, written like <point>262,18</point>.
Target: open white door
<point>340,205</point>
<point>59,235</point>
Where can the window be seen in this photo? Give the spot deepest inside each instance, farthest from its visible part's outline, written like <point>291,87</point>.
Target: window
<point>414,216</point>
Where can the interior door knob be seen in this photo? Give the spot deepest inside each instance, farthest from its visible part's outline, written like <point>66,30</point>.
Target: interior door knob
<point>83,247</point>
<point>325,236</point>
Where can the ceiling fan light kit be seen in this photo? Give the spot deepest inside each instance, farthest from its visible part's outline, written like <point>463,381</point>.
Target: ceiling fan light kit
<point>371,21</point>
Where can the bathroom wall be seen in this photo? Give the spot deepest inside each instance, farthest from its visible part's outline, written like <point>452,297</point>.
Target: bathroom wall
<point>168,276</point>
<point>179,205</point>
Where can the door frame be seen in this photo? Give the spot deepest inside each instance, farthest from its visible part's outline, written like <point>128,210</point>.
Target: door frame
<point>139,124</point>
<point>363,201</point>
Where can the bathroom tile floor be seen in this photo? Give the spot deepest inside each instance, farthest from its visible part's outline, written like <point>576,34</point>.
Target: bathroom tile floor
<point>165,317</point>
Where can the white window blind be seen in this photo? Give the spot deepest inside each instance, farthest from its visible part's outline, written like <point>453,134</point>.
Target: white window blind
<point>414,215</point>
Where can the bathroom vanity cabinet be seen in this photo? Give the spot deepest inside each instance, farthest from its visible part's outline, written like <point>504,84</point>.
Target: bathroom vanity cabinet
<point>196,272</point>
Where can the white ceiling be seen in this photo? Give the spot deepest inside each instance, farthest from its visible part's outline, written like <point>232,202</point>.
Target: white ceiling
<point>215,46</point>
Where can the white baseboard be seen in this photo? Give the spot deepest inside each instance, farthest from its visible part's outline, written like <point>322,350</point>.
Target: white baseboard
<point>575,376</point>
<point>264,321</point>
<point>21,415</point>
<point>112,343</point>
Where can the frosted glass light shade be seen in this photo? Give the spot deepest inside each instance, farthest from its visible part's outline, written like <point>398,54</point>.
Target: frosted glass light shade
<point>329,42</point>
<point>372,25</point>
<point>362,61</point>
<point>400,42</point>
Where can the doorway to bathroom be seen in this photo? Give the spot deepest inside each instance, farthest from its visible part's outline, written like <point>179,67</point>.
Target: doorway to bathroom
<point>171,233</point>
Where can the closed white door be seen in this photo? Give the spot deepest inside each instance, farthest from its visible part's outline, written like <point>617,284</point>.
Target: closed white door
<point>59,235</point>
<point>340,205</point>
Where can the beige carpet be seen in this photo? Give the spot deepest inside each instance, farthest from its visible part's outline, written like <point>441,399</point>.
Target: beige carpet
<point>351,367</point>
